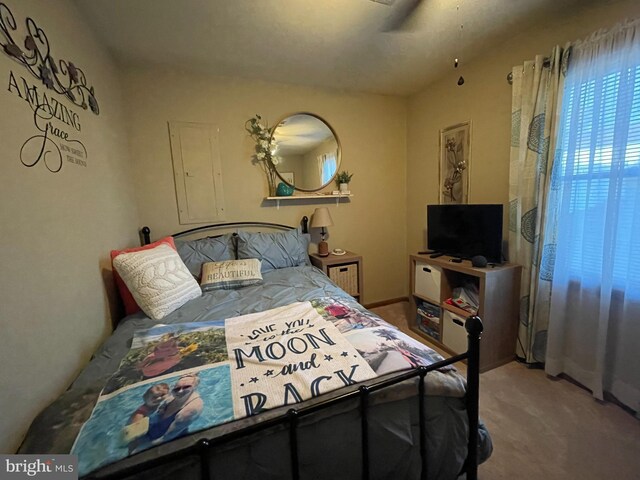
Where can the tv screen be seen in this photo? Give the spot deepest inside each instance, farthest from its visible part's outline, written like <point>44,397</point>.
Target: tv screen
<point>465,230</point>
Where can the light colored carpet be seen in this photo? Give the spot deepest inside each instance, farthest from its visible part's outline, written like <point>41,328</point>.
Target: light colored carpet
<point>544,428</point>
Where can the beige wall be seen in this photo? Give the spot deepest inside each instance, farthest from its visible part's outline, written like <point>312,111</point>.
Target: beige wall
<point>57,229</point>
<point>485,99</point>
<point>372,133</point>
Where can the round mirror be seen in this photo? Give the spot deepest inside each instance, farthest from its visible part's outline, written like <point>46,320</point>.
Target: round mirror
<point>306,151</point>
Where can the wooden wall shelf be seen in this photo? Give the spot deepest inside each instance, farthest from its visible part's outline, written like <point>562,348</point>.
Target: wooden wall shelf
<point>310,198</point>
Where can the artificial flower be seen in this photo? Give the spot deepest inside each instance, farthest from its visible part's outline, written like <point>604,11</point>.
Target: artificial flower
<point>265,149</point>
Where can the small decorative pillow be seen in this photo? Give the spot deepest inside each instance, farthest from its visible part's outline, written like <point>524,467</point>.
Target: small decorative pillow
<point>158,280</point>
<point>230,274</point>
<point>275,250</point>
<point>195,253</point>
<point>130,305</point>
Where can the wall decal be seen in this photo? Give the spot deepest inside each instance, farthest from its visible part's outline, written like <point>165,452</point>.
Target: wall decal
<point>42,147</point>
<point>64,77</point>
<point>54,121</point>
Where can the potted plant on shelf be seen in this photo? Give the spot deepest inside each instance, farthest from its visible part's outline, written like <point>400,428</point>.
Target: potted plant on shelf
<point>342,180</point>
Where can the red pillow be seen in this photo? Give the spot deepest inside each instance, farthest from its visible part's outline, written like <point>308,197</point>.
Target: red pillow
<point>130,305</point>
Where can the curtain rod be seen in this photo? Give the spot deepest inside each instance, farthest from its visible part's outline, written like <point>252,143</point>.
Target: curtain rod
<point>545,63</point>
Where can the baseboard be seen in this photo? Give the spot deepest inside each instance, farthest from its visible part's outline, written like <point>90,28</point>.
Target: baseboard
<point>386,302</point>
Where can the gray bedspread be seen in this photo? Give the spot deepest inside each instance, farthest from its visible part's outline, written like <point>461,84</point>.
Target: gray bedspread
<point>56,428</point>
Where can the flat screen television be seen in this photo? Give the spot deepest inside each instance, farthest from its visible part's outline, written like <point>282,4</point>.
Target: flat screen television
<point>465,230</point>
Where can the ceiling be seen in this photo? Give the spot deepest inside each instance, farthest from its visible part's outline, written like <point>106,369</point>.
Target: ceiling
<point>299,134</point>
<point>328,43</point>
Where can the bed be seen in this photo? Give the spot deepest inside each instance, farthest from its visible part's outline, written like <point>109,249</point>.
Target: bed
<point>401,423</point>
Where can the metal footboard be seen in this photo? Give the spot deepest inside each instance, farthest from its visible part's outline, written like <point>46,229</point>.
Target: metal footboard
<point>292,418</point>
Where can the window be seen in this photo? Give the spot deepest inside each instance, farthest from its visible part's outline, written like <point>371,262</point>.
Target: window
<point>597,174</point>
<point>328,166</point>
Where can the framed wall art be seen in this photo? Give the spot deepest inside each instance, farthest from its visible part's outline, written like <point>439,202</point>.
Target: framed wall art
<point>288,177</point>
<point>455,155</point>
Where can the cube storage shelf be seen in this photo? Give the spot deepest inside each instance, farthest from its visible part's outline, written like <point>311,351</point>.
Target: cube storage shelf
<point>432,282</point>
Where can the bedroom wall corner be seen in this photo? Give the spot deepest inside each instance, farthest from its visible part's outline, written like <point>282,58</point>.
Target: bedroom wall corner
<point>56,292</point>
<point>485,99</point>
<point>372,132</point>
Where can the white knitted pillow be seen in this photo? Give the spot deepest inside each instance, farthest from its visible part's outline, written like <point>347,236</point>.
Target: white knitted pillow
<point>158,280</point>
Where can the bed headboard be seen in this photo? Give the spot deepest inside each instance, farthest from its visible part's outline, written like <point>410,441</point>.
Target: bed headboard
<point>222,228</point>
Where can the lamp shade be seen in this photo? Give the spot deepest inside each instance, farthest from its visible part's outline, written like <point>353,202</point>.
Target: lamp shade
<point>321,218</point>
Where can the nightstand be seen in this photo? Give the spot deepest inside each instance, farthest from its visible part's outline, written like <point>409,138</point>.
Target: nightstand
<point>344,270</point>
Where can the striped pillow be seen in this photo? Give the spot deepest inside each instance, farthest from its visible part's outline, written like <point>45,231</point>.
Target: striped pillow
<point>230,274</point>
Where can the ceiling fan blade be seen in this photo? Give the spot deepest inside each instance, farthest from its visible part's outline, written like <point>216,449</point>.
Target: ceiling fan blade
<point>401,15</point>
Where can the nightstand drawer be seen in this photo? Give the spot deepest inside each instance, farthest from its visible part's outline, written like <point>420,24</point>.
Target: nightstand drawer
<point>345,276</point>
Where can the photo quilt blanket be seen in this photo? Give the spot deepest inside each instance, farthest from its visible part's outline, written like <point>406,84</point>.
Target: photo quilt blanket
<point>182,378</point>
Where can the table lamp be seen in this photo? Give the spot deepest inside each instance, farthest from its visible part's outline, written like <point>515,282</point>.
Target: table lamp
<point>321,219</point>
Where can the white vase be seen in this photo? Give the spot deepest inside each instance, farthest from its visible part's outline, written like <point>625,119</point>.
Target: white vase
<point>344,187</point>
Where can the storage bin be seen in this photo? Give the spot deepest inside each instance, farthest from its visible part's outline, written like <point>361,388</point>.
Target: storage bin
<point>454,335</point>
<point>427,281</point>
<point>346,277</point>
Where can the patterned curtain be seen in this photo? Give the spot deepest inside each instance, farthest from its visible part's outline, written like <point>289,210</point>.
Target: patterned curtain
<point>536,95</point>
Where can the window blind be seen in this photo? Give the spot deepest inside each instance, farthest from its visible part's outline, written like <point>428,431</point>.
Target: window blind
<point>598,171</point>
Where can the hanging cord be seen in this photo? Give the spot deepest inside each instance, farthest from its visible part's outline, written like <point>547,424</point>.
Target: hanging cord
<point>456,62</point>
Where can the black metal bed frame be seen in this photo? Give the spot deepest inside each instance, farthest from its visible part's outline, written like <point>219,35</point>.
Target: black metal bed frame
<point>304,223</point>
<point>474,328</point>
